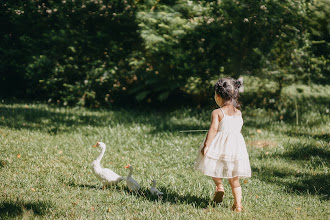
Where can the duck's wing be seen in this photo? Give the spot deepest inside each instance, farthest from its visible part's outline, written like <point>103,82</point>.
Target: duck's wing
<point>110,172</point>
<point>135,182</point>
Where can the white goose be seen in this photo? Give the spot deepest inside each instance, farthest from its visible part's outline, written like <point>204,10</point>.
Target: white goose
<point>153,189</point>
<point>131,183</point>
<point>105,175</point>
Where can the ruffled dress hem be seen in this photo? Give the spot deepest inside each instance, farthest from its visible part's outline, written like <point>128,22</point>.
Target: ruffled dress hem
<point>223,177</point>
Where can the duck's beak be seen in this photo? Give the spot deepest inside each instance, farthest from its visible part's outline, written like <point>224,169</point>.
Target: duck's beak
<point>127,166</point>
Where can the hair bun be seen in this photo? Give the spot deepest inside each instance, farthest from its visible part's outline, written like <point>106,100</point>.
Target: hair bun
<point>238,84</point>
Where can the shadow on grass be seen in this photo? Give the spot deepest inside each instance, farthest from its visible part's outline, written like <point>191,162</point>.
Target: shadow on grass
<point>97,186</point>
<point>310,154</point>
<point>322,137</point>
<point>304,183</point>
<point>306,152</point>
<point>84,186</point>
<point>144,193</point>
<point>173,197</point>
<point>12,209</point>
<point>53,122</point>
<point>315,181</point>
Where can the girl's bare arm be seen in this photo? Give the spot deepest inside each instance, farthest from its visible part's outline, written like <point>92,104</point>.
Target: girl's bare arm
<point>212,131</point>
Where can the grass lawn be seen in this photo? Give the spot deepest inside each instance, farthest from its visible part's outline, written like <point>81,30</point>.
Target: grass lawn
<point>46,154</point>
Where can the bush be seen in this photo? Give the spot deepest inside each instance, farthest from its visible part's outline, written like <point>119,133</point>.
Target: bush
<point>99,53</point>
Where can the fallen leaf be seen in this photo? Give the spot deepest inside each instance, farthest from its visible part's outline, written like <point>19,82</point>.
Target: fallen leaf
<point>26,106</point>
<point>281,117</point>
<point>258,131</point>
<point>74,203</point>
<point>109,210</point>
<point>3,163</point>
<point>60,152</point>
<point>33,190</point>
<point>267,153</point>
<point>245,181</point>
<point>18,155</point>
<point>257,196</point>
<point>92,208</point>
<point>298,208</point>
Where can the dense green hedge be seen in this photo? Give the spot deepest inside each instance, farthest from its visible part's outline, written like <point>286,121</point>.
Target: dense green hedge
<point>92,53</point>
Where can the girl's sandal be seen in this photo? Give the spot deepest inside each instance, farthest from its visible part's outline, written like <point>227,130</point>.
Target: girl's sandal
<point>237,209</point>
<point>218,195</point>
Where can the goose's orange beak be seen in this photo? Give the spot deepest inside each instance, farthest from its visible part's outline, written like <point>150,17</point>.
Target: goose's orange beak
<point>127,166</point>
<point>96,144</point>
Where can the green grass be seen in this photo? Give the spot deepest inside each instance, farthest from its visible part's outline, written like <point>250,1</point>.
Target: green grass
<point>53,176</point>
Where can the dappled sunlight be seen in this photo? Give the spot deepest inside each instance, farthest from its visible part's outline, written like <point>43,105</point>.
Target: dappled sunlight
<point>287,161</point>
<point>262,143</point>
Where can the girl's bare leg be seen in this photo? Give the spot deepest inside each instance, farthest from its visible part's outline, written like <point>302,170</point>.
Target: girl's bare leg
<point>237,191</point>
<point>218,183</point>
<point>219,191</point>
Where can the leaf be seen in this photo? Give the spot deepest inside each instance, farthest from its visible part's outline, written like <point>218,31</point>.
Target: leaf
<point>109,210</point>
<point>18,155</point>
<point>245,181</point>
<point>163,96</point>
<point>140,96</point>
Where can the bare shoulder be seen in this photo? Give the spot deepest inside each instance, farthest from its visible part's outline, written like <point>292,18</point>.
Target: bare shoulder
<point>217,113</point>
<point>239,113</point>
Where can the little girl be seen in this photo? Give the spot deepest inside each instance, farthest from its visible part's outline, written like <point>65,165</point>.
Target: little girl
<point>223,153</point>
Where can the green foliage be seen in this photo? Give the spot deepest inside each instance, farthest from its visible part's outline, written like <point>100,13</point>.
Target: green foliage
<point>319,29</point>
<point>99,53</point>
<point>78,52</point>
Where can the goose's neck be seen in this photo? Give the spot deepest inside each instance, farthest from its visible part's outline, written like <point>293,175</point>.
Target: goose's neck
<point>153,184</point>
<point>130,172</point>
<point>99,158</point>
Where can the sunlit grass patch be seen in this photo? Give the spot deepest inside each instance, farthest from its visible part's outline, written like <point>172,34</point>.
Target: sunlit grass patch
<point>46,154</point>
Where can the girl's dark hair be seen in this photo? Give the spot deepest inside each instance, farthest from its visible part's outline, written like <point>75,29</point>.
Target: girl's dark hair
<point>227,89</point>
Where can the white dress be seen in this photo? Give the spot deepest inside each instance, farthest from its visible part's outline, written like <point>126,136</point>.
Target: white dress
<point>227,156</point>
